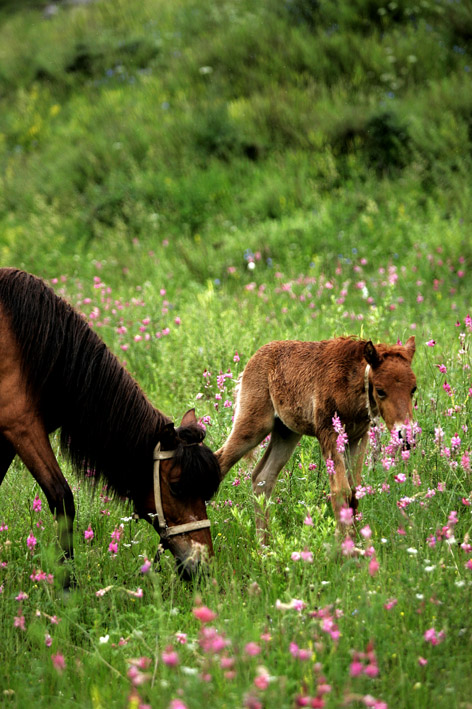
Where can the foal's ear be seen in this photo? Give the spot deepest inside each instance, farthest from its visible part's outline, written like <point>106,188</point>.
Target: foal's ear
<point>189,418</point>
<point>371,355</point>
<point>410,347</point>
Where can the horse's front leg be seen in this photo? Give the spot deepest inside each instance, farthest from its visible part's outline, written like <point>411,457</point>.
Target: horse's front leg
<point>30,440</point>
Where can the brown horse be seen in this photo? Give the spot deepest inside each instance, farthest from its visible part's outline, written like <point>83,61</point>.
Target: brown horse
<point>292,388</point>
<point>55,372</point>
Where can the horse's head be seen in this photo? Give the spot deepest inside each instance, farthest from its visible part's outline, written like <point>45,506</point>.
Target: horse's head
<point>188,475</point>
<point>390,383</point>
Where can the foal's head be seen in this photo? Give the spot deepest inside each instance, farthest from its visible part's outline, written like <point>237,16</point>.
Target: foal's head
<point>187,480</point>
<point>392,383</point>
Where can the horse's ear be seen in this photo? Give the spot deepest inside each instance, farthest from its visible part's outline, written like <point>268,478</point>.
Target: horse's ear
<point>167,435</point>
<point>371,355</point>
<point>189,418</point>
<point>410,347</point>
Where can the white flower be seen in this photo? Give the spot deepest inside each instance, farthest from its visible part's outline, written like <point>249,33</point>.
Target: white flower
<point>428,569</point>
<point>412,550</point>
<point>104,639</point>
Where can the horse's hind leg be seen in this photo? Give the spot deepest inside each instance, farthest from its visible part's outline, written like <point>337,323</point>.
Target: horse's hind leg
<point>265,474</point>
<point>31,442</point>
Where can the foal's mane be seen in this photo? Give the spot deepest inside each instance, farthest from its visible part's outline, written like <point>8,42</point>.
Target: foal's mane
<point>108,426</point>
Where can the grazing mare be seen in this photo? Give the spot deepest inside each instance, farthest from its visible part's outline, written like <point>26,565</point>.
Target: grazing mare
<point>293,388</point>
<point>55,372</point>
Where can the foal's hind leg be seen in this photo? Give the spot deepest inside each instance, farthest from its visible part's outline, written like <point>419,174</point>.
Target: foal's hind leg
<point>253,421</point>
<point>265,474</point>
<point>30,440</point>
<point>356,461</point>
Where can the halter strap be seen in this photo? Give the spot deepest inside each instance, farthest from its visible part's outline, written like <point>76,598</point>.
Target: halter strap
<point>372,418</point>
<point>164,530</point>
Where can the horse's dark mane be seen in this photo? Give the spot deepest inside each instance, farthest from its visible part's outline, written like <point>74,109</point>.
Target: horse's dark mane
<point>108,426</point>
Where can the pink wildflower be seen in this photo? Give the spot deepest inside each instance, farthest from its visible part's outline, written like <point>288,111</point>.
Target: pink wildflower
<point>31,541</point>
<point>19,622</point>
<point>146,566</point>
<point>366,532</point>
<point>170,657</point>
<point>390,604</point>
<point>373,566</point>
<point>37,504</point>
<point>261,680</point>
<point>346,515</point>
<point>432,637</point>
<point>308,521</point>
<point>47,640</point>
<point>330,466</point>
<point>177,704</point>
<point>356,668</point>
<point>88,534</point>
<point>204,614</point>
<point>252,649</point>
<point>58,662</point>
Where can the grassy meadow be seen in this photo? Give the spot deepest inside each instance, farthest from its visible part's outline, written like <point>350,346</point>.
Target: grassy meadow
<point>200,178</point>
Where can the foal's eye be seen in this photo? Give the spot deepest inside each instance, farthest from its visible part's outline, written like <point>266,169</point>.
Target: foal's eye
<point>381,394</point>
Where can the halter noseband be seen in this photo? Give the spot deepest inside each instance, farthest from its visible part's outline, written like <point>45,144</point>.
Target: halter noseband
<point>164,530</point>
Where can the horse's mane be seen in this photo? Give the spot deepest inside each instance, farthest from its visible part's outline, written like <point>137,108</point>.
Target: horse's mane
<point>108,426</point>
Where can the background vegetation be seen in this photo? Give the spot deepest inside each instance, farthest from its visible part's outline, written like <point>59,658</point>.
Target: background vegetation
<point>199,178</point>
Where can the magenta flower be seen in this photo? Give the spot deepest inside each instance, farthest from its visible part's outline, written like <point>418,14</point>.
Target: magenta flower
<point>434,638</point>
<point>431,343</point>
<point>88,534</point>
<point>170,657</point>
<point>308,521</point>
<point>37,504</point>
<point>390,604</point>
<point>366,532</point>
<point>177,704</point>
<point>113,548</point>
<point>373,566</point>
<point>204,614</point>
<point>58,662</point>
<point>47,640</point>
<point>31,541</point>
<point>422,661</point>
<point>356,668</point>
<point>19,622</point>
<point>330,466</point>
<point>252,649</point>
<point>346,515</point>
<point>146,566</point>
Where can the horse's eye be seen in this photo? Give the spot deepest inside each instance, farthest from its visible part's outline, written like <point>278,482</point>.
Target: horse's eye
<point>381,394</point>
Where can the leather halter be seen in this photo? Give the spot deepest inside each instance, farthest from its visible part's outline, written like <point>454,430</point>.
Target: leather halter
<point>372,418</point>
<point>164,531</point>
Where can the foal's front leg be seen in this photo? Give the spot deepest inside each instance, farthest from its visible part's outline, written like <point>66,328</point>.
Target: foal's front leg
<point>341,493</point>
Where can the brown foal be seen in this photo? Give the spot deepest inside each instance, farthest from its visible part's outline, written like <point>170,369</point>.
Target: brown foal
<point>292,388</point>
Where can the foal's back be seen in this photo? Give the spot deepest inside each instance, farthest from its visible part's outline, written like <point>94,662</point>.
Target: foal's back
<point>303,382</point>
